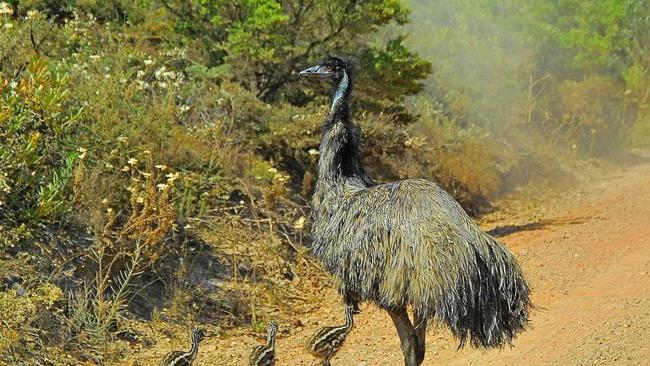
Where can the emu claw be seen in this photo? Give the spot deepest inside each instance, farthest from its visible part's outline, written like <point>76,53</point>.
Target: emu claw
<point>356,310</point>
<point>351,300</point>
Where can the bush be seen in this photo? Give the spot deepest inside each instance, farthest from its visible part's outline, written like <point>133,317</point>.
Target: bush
<point>21,309</point>
<point>592,120</point>
<point>39,155</point>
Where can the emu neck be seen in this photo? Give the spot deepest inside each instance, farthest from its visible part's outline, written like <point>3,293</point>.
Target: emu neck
<point>194,349</point>
<point>349,322</point>
<point>340,102</point>
<point>270,341</point>
<point>339,161</point>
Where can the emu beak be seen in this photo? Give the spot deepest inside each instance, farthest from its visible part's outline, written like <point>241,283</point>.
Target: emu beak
<point>316,71</point>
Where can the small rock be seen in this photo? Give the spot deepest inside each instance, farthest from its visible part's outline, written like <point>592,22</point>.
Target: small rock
<point>245,268</point>
<point>297,323</point>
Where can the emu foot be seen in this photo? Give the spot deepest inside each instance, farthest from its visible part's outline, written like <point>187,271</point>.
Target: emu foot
<point>351,299</point>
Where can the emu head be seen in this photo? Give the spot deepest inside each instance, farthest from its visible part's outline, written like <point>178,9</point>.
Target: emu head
<point>330,68</point>
<point>198,335</point>
<point>272,328</point>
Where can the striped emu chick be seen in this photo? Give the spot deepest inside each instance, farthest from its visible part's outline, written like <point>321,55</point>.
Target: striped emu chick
<point>328,340</point>
<point>185,358</point>
<point>264,355</point>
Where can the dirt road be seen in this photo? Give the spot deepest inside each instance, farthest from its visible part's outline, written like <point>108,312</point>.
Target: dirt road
<point>587,256</point>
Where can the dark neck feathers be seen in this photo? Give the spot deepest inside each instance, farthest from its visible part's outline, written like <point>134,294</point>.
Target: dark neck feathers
<point>339,161</point>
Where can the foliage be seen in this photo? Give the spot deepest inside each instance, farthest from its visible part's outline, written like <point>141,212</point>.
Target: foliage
<point>264,42</point>
<point>573,73</point>
<point>38,155</point>
<point>20,309</point>
<point>157,156</point>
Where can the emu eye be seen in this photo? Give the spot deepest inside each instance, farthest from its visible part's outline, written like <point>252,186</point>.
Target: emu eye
<point>329,68</point>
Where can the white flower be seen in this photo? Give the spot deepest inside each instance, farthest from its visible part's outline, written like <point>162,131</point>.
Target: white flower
<point>161,186</point>
<point>158,73</point>
<point>82,151</point>
<point>300,223</point>
<point>139,199</point>
<point>132,161</point>
<point>6,9</point>
<point>171,177</point>
<point>32,13</point>
<point>161,167</point>
<point>272,170</point>
<point>142,84</point>
<point>126,168</point>
<point>313,152</point>
<point>148,61</point>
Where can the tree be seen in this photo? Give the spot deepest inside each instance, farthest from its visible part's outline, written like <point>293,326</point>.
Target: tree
<point>265,42</point>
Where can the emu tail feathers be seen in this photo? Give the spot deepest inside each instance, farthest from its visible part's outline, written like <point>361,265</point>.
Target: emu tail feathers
<point>489,302</point>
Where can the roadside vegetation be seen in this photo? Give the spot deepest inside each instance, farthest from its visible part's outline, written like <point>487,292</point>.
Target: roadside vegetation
<point>157,156</point>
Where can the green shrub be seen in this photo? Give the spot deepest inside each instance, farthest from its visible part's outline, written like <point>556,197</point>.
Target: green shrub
<point>38,152</point>
<point>20,310</point>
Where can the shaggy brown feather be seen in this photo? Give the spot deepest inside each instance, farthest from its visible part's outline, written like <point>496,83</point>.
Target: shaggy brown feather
<point>409,242</point>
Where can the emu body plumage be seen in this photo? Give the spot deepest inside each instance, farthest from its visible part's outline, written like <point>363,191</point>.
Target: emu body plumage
<point>408,243</point>
<point>328,340</point>
<point>264,355</point>
<point>185,358</point>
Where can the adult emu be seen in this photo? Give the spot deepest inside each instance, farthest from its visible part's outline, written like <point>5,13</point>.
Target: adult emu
<point>408,243</point>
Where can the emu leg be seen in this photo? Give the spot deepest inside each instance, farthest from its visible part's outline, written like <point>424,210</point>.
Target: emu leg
<point>421,333</point>
<point>407,336</point>
<point>350,298</point>
<point>326,361</point>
